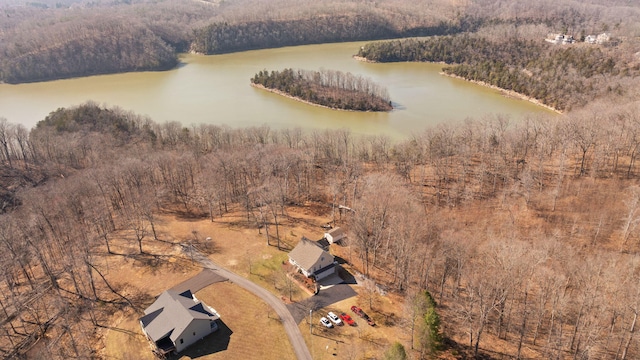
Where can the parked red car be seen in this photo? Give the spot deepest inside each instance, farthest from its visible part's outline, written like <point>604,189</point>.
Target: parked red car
<point>347,319</point>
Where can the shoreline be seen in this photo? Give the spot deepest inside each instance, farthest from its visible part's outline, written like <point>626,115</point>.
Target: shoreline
<point>282,93</point>
<point>364,59</point>
<point>504,92</point>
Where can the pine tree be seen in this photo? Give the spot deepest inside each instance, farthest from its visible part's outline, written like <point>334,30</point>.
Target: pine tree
<point>431,339</point>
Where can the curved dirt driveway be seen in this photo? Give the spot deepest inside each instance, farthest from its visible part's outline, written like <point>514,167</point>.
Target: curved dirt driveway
<point>290,325</point>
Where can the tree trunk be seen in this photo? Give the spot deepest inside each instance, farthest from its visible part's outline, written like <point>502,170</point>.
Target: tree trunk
<point>523,325</point>
<point>110,287</point>
<point>576,328</point>
<point>631,332</point>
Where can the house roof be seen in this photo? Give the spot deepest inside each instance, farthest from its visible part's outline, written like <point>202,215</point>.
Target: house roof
<point>171,313</point>
<point>307,253</point>
<point>336,232</point>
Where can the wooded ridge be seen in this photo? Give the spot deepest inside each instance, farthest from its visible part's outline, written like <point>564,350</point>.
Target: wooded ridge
<point>42,43</point>
<point>223,38</point>
<point>560,77</point>
<point>329,88</point>
<point>78,38</point>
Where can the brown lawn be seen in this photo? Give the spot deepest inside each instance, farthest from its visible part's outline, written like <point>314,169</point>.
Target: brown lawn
<point>249,330</point>
<point>255,333</point>
<point>352,342</point>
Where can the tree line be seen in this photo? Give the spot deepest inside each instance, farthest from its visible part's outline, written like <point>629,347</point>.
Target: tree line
<point>87,48</point>
<point>523,232</point>
<point>561,77</point>
<point>70,39</point>
<point>224,38</point>
<point>45,43</point>
<point>329,88</point>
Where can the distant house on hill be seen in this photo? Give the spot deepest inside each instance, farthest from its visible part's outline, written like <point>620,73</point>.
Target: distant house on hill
<point>599,39</point>
<point>177,320</point>
<point>311,260</point>
<point>560,39</point>
<point>335,235</point>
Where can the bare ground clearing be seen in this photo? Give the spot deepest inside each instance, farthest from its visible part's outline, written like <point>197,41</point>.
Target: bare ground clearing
<point>243,249</point>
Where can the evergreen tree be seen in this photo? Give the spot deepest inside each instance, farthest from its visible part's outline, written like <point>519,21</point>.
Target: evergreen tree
<point>395,352</point>
<point>431,338</point>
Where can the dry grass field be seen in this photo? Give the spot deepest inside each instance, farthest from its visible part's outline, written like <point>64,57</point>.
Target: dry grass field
<point>249,330</point>
<point>354,342</point>
<point>255,333</point>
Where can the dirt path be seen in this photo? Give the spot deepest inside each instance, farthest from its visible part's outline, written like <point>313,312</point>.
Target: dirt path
<point>290,325</point>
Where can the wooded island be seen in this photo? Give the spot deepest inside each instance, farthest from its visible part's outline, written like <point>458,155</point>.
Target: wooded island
<point>329,88</point>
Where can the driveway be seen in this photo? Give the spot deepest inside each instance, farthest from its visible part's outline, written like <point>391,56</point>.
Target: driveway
<point>325,297</point>
<point>290,325</point>
<point>199,282</point>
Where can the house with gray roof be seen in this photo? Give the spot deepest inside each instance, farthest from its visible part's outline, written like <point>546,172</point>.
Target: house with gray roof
<point>177,320</point>
<point>311,260</point>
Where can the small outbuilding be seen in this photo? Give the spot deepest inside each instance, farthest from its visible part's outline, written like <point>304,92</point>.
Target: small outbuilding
<point>177,320</point>
<point>335,235</point>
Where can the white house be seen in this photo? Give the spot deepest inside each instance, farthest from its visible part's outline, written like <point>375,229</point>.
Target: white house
<point>603,38</point>
<point>335,235</point>
<point>598,39</point>
<point>312,260</point>
<point>560,39</point>
<point>176,320</point>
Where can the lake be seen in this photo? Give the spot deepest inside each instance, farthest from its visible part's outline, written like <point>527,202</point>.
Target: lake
<point>215,89</point>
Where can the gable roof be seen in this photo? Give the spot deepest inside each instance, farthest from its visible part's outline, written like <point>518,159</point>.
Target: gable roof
<point>336,232</point>
<point>307,253</point>
<point>171,313</point>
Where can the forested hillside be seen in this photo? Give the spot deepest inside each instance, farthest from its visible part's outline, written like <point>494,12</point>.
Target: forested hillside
<point>562,77</point>
<point>223,38</point>
<point>62,40</point>
<point>101,47</point>
<point>78,38</point>
<point>524,233</point>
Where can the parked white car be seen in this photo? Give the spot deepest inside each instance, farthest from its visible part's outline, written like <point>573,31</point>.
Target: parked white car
<point>334,319</point>
<point>325,322</point>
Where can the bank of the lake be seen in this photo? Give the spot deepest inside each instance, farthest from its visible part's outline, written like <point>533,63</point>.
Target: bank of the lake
<point>213,90</point>
<point>505,92</point>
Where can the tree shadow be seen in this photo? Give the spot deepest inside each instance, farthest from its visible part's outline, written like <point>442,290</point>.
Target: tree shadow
<point>189,216</point>
<point>284,246</point>
<point>210,344</point>
<point>180,65</point>
<point>398,106</point>
<point>466,352</point>
<point>324,333</point>
<point>346,276</point>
